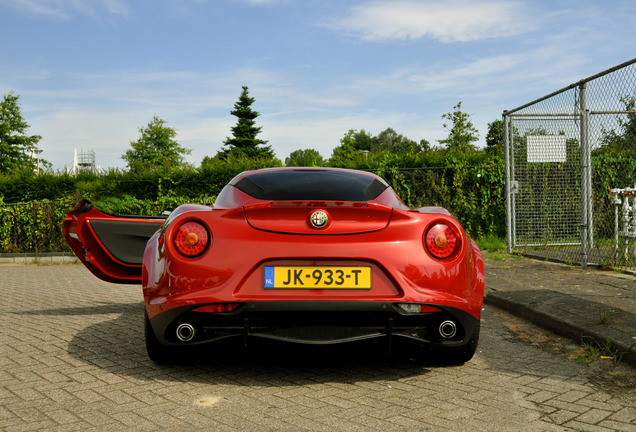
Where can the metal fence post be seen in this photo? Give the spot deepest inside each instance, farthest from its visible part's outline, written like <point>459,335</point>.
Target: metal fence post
<point>507,184</point>
<point>514,186</point>
<point>588,155</point>
<point>585,175</point>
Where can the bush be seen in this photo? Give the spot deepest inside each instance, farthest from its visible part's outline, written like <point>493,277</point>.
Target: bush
<point>33,227</point>
<point>471,187</point>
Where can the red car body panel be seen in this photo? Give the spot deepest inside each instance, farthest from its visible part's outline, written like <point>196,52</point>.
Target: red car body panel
<point>246,234</point>
<point>107,264</point>
<point>293,217</point>
<point>225,273</point>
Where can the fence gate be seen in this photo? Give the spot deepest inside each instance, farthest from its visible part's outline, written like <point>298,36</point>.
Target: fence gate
<point>551,188</point>
<point>545,181</point>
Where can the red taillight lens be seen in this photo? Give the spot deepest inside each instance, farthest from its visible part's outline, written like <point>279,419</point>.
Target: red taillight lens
<point>191,239</point>
<point>441,241</point>
<point>217,308</point>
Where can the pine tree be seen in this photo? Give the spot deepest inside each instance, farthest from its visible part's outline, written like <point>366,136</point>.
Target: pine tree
<point>244,141</point>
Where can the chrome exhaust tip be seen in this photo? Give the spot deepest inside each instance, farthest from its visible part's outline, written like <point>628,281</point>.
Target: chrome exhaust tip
<point>185,332</point>
<point>447,329</point>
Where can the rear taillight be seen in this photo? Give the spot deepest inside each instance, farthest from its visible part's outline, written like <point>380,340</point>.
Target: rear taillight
<point>191,239</point>
<point>217,308</point>
<point>441,241</point>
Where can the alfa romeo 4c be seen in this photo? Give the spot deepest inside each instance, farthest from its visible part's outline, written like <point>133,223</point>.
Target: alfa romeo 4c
<point>311,256</point>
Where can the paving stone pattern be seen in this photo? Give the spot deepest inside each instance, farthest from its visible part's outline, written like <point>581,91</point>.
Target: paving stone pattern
<point>72,358</point>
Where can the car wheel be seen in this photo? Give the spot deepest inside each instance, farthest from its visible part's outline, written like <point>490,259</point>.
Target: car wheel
<point>468,351</point>
<point>158,353</point>
<point>460,355</point>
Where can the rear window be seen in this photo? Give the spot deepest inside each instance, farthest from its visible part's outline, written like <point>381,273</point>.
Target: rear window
<point>311,185</point>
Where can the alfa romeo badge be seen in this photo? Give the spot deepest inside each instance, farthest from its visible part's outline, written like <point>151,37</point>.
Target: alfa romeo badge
<point>319,219</point>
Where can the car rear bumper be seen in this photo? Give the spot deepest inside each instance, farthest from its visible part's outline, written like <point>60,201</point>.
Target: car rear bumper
<point>315,322</point>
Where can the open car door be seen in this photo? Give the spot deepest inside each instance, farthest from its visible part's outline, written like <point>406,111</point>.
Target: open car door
<point>111,247</point>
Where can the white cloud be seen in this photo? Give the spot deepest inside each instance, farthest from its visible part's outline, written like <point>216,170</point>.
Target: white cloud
<point>104,111</point>
<point>173,91</point>
<point>65,9</point>
<point>447,21</point>
<point>504,75</point>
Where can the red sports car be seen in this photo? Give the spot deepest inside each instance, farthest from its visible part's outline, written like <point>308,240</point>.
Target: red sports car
<point>305,255</point>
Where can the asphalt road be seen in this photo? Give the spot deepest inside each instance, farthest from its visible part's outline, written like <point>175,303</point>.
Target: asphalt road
<point>72,358</point>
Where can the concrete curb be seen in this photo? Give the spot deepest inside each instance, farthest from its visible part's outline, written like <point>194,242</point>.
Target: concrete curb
<point>555,316</point>
<point>44,258</point>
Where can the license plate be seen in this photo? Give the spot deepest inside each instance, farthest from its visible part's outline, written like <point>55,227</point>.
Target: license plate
<point>318,277</point>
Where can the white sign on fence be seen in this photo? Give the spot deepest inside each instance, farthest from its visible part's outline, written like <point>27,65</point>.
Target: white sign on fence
<point>546,148</point>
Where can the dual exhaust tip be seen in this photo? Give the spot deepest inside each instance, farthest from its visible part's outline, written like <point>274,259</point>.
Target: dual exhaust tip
<point>186,332</point>
<point>447,329</point>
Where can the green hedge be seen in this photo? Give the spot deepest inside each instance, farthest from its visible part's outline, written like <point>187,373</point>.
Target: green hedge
<point>24,186</point>
<point>470,188</point>
<point>32,208</point>
<point>33,227</point>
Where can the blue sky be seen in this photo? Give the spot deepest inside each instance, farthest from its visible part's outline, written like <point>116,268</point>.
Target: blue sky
<point>90,73</point>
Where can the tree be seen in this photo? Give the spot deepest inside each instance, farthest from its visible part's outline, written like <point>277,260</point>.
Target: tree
<point>244,134</point>
<point>461,133</point>
<point>347,153</point>
<point>156,148</point>
<point>394,142</point>
<point>495,136</point>
<point>17,149</point>
<point>304,158</point>
<point>362,140</point>
<point>624,141</point>
<point>354,144</point>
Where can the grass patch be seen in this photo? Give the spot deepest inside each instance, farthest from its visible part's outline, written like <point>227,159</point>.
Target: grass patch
<point>592,350</point>
<point>495,248</point>
<point>492,243</point>
<point>604,318</point>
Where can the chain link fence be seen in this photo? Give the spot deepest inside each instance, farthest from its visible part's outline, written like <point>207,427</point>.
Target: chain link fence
<point>564,152</point>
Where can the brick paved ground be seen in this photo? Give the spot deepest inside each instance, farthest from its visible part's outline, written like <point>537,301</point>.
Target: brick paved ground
<point>72,358</point>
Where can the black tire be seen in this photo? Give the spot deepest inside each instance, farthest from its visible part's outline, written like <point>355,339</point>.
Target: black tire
<point>158,353</point>
<point>461,355</point>
<point>468,351</point>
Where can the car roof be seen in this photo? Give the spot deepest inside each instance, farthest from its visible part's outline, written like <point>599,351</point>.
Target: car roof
<point>310,184</point>
<point>303,169</point>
